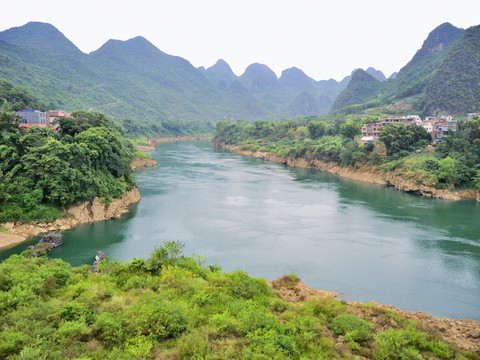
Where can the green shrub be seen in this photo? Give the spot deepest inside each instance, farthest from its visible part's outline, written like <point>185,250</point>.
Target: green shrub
<point>353,327</point>
<point>441,350</point>
<point>224,323</point>
<point>193,345</point>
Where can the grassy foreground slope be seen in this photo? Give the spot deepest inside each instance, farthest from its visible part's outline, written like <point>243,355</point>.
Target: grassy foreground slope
<point>171,306</point>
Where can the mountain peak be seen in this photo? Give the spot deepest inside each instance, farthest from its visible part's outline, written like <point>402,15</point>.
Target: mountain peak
<point>220,74</point>
<point>362,88</point>
<point>42,36</point>
<point>259,77</point>
<point>377,74</point>
<point>295,78</point>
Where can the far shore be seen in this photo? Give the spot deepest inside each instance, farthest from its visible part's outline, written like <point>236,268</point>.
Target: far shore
<point>179,138</point>
<point>365,175</point>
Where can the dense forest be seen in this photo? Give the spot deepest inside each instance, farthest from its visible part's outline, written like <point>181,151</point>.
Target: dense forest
<point>454,163</point>
<point>42,170</point>
<point>176,307</point>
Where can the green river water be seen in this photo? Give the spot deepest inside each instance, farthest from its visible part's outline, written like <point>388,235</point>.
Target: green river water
<point>369,241</point>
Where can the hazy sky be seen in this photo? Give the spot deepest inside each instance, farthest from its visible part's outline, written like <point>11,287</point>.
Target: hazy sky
<point>324,38</point>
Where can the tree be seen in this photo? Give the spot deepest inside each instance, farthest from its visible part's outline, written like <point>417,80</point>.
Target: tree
<point>446,170</point>
<point>350,129</point>
<point>316,129</point>
<point>403,138</point>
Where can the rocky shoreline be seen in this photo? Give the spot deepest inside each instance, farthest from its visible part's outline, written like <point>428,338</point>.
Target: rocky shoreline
<point>86,212</point>
<point>465,333</point>
<point>143,162</point>
<point>366,175</point>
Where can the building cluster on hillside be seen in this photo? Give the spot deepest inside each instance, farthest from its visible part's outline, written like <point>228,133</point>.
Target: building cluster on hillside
<point>437,127</point>
<point>40,118</point>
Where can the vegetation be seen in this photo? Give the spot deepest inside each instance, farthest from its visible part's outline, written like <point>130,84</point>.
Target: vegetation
<point>135,129</point>
<point>42,170</point>
<point>362,88</point>
<point>14,98</point>
<point>454,163</point>
<point>170,307</point>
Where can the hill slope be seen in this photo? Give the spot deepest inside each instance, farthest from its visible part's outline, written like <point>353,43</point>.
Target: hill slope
<point>455,86</point>
<point>41,36</point>
<point>413,77</point>
<point>362,88</point>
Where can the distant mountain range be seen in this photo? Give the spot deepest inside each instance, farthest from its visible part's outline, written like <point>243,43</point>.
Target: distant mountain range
<point>135,79</point>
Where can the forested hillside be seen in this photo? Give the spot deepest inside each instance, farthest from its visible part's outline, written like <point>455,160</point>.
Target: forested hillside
<point>455,86</point>
<point>16,98</point>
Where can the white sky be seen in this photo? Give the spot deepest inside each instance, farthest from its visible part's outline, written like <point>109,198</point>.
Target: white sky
<point>324,38</point>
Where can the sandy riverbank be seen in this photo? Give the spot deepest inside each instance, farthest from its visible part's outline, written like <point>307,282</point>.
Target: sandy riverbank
<point>366,174</point>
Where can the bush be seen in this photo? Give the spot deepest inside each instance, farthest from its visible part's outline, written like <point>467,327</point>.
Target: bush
<point>354,328</point>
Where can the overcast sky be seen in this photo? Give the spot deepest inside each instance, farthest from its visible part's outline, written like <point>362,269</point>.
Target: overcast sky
<point>324,38</point>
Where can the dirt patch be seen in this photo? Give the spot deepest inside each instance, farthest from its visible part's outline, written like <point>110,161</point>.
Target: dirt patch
<point>292,289</point>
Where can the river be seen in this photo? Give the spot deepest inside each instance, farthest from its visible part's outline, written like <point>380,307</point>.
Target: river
<point>370,242</point>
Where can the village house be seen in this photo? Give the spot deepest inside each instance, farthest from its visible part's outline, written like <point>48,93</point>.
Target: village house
<point>371,131</point>
<point>32,117</point>
<point>438,128</point>
<point>54,115</point>
<point>40,118</point>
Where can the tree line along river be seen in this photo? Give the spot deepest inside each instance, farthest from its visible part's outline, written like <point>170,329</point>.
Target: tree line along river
<point>369,241</point>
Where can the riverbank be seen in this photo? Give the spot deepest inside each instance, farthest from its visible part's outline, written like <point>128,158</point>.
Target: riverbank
<point>366,174</point>
<point>86,212</point>
<point>462,332</point>
<point>143,162</point>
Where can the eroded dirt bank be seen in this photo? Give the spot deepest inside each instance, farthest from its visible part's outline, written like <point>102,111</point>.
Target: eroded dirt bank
<point>76,214</point>
<point>143,162</point>
<point>363,174</point>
